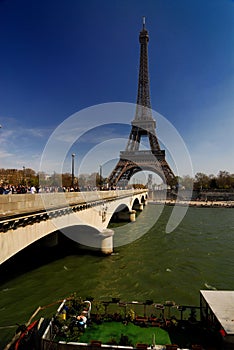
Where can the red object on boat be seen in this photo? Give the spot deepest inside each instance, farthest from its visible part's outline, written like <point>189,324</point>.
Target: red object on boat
<point>222,332</point>
<point>25,333</point>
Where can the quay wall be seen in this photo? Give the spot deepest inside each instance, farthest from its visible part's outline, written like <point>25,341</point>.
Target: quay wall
<point>216,195</point>
<point>203,195</point>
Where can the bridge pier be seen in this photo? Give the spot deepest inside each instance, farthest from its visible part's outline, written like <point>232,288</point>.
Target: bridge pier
<point>139,206</point>
<point>127,215</point>
<point>107,241</point>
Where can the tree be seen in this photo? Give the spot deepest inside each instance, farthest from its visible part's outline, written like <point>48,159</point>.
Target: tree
<point>201,181</point>
<point>224,180</point>
<point>67,179</point>
<point>213,182</point>
<point>186,182</point>
<point>30,177</point>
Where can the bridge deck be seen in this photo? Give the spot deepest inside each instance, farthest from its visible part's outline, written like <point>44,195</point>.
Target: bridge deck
<point>13,205</point>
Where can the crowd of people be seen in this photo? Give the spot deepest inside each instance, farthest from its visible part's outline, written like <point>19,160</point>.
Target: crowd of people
<point>22,189</point>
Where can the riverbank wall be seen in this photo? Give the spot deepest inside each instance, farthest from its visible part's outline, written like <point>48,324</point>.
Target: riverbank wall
<point>203,199</point>
<point>195,195</point>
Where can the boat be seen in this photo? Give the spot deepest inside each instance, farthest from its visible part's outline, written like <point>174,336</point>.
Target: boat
<point>115,324</point>
<point>26,336</point>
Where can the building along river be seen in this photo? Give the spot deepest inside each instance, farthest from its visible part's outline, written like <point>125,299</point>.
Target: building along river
<point>198,254</point>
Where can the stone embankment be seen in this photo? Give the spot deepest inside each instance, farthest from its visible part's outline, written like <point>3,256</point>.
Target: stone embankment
<point>198,203</point>
<point>201,198</point>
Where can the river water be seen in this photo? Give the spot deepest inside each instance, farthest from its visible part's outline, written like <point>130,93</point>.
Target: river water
<point>160,266</point>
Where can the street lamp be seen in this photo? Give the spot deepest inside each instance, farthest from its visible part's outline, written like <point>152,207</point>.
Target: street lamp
<point>100,177</point>
<point>73,158</point>
<point>24,179</point>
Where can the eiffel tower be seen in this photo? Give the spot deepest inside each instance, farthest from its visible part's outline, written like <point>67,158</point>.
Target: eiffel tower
<point>133,160</point>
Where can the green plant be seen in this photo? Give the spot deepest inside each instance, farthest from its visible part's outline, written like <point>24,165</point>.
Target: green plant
<point>131,315</point>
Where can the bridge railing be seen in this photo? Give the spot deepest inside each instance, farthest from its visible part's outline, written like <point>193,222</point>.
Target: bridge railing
<point>19,204</point>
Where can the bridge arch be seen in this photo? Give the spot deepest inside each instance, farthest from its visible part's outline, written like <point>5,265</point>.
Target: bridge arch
<point>19,230</point>
<point>87,236</point>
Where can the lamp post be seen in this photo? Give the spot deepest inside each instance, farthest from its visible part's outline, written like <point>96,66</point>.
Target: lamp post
<point>24,179</point>
<point>73,159</point>
<point>100,177</point>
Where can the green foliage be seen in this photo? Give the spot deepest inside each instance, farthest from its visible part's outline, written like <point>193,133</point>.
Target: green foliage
<point>28,177</point>
<point>98,307</point>
<point>131,315</point>
<point>139,186</point>
<point>224,180</point>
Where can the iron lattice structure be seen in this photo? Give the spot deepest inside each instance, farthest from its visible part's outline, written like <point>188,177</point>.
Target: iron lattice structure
<point>133,159</point>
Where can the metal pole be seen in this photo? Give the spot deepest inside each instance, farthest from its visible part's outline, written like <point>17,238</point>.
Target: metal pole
<point>73,158</point>
<point>24,179</point>
<point>100,176</point>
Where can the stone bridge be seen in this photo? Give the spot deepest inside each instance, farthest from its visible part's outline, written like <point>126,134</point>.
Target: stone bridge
<point>81,216</point>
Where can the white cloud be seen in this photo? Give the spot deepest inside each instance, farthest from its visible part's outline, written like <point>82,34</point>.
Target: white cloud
<point>21,145</point>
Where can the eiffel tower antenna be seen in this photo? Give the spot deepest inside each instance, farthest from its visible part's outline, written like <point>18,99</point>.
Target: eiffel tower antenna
<point>133,160</point>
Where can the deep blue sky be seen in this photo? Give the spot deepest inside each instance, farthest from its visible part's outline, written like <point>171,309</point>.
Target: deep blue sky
<point>58,57</point>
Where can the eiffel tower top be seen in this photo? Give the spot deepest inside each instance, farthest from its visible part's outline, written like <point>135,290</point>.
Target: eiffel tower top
<point>143,22</point>
<point>144,30</point>
<point>143,93</point>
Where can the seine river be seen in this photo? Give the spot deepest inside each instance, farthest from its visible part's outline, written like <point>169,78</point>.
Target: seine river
<point>198,254</point>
